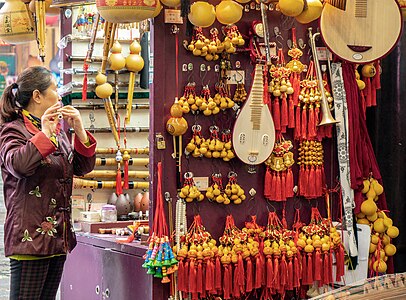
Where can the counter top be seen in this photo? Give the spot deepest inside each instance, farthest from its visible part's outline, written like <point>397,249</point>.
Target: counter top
<point>108,241</point>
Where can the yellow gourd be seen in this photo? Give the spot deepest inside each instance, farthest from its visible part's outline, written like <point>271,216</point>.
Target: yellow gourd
<point>368,207</point>
<point>368,70</point>
<point>116,59</point>
<point>379,226</point>
<point>202,14</point>
<point>228,12</point>
<point>291,8</point>
<point>392,232</point>
<point>171,3</point>
<point>366,185</point>
<point>158,9</point>
<point>380,266</point>
<point>378,188</point>
<point>390,249</point>
<point>311,13</point>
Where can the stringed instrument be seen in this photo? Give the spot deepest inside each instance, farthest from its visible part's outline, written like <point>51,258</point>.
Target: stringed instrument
<point>254,130</point>
<point>361,31</point>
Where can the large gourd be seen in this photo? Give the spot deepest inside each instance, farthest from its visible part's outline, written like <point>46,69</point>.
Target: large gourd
<point>311,12</point>
<point>228,12</point>
<point>123,11</point>
<point>16,25</point>
<point>202,14</point>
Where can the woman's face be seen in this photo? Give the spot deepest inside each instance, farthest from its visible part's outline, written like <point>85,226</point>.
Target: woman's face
<point>50,96</point>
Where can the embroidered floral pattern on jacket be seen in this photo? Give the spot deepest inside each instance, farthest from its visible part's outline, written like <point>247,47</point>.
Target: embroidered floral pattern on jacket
<point>48,226</point>
<point>36,192</point>
<point>26,237</point>
<point>52,203</point>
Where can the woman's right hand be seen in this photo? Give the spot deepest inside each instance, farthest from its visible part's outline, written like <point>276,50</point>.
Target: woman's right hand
<point>49,120</point>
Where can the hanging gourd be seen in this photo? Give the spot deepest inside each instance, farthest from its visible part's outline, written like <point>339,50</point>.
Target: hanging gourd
<point>158,9</point>
<point>16,24</point>
<point>116,58</point>
<point>202,14</point>
<point>311,12</point>
<point>123,11</point>
<point>228,12</point>
<point>171,3</point>
<point>103,89</point>
<point>134,63</point>
<point>291,8</point>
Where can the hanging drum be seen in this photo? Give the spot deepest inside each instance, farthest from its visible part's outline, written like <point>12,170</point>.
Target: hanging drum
<point>16,26</point>
<point>123,11</point>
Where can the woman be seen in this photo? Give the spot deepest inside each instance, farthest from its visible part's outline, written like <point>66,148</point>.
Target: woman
<point>38,163</point>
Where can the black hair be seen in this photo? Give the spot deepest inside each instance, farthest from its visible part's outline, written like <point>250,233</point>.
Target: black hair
<point>19,94</point>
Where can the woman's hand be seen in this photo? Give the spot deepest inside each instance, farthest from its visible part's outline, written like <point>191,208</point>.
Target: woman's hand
<point>49,120</point>
<point>72,115</point>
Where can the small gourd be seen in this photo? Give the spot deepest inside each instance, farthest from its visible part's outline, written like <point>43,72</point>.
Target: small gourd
<point>368,70</point>
<point>103,89</point>
<point>116,58</point>
<point>176,125</point>
<point>134,61</point>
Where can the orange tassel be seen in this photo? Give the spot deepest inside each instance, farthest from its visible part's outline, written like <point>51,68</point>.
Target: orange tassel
<point>258,272</point>
<point>236,287</point>
<point>192,277</point>
<point>119,187</point>
<point>283,272</point>
<point>180,274</point>
<point>296,272</point>
<point>305,280</point>
<point>296,88</point>
<point>283,186</point>
<point>186,277</point>
<point>209,275</point>
<point>276,274</point>
<point>289,285</point>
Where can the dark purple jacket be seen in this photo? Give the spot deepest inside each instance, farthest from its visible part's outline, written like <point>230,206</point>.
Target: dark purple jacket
<point>37,183</point>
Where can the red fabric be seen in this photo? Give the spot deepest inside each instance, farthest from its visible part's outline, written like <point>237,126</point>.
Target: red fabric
<point>43,144</point>
<point>84,150</point>
<point>361,154</point>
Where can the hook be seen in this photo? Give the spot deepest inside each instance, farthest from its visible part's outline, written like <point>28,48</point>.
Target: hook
<point>241,79</point>
<point>203,71</point>
<point>190,76</point>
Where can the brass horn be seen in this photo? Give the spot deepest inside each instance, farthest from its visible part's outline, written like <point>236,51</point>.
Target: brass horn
<point>327,117</point>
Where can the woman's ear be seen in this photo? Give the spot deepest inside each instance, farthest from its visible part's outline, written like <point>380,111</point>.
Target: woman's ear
<point>36,96</point>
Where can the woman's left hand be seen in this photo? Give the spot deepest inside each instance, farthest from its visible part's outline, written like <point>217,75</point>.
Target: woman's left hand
<point>72,115</point>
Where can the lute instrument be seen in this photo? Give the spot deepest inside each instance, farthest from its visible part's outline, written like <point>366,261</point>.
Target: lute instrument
<point>361,31</point>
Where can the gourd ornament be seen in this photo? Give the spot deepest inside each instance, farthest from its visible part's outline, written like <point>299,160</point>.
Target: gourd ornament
<point>291,8</point>
<point>134,63</point>
<point>103,89</point>
<point>157,10</point>
<point>123,11</point>
<point>116,59</point>
<point>16,24</point>
<point>228,12</point>
<point>202,14</point>
<point>177,124</point>
<point>171,3</point>
<point>311,13</point>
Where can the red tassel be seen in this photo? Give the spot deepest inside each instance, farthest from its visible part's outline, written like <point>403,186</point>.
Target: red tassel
<point>278,195</point>
<point>291,275</point>
<point>289,184</point>
<point>309,268</point>
<point>240,273</point>
<point>339,263</point>
<point>310,124</point>
<point>283,273</point>
<point>186,277</point>
<point>269,273</point>
<point>317,266</point>
<point>258,272</point>
<point>311,183</point>
<point>291,113</point>
<point>296,272</point>
<point>330,267</point>
<point>192,277</point>
<point>326,268</point>
<point>304,123</point>
<point>296,88</point>
<point>236,286</point>
<point>199,279</point>
<point>84,84</point>
<point>267,183</point>
<point>119,187</point>
<point>283,186</point>
<point>328,131</point>
<point>284,112</point>
<point>217,281</point>
<point>368,91</point>
<point>273,187</point>
<point>276,115</point>
<point>377,77</point>
<point>297,126</point>
<point>319,182</point>
<point>126,185</point>
<point>249,285</point>
<point>301,180</point>
<point>305,280</point>
<point>180,274</point>
<point>209,275</point>
<point>276,274</point>
<point>226,286</point>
